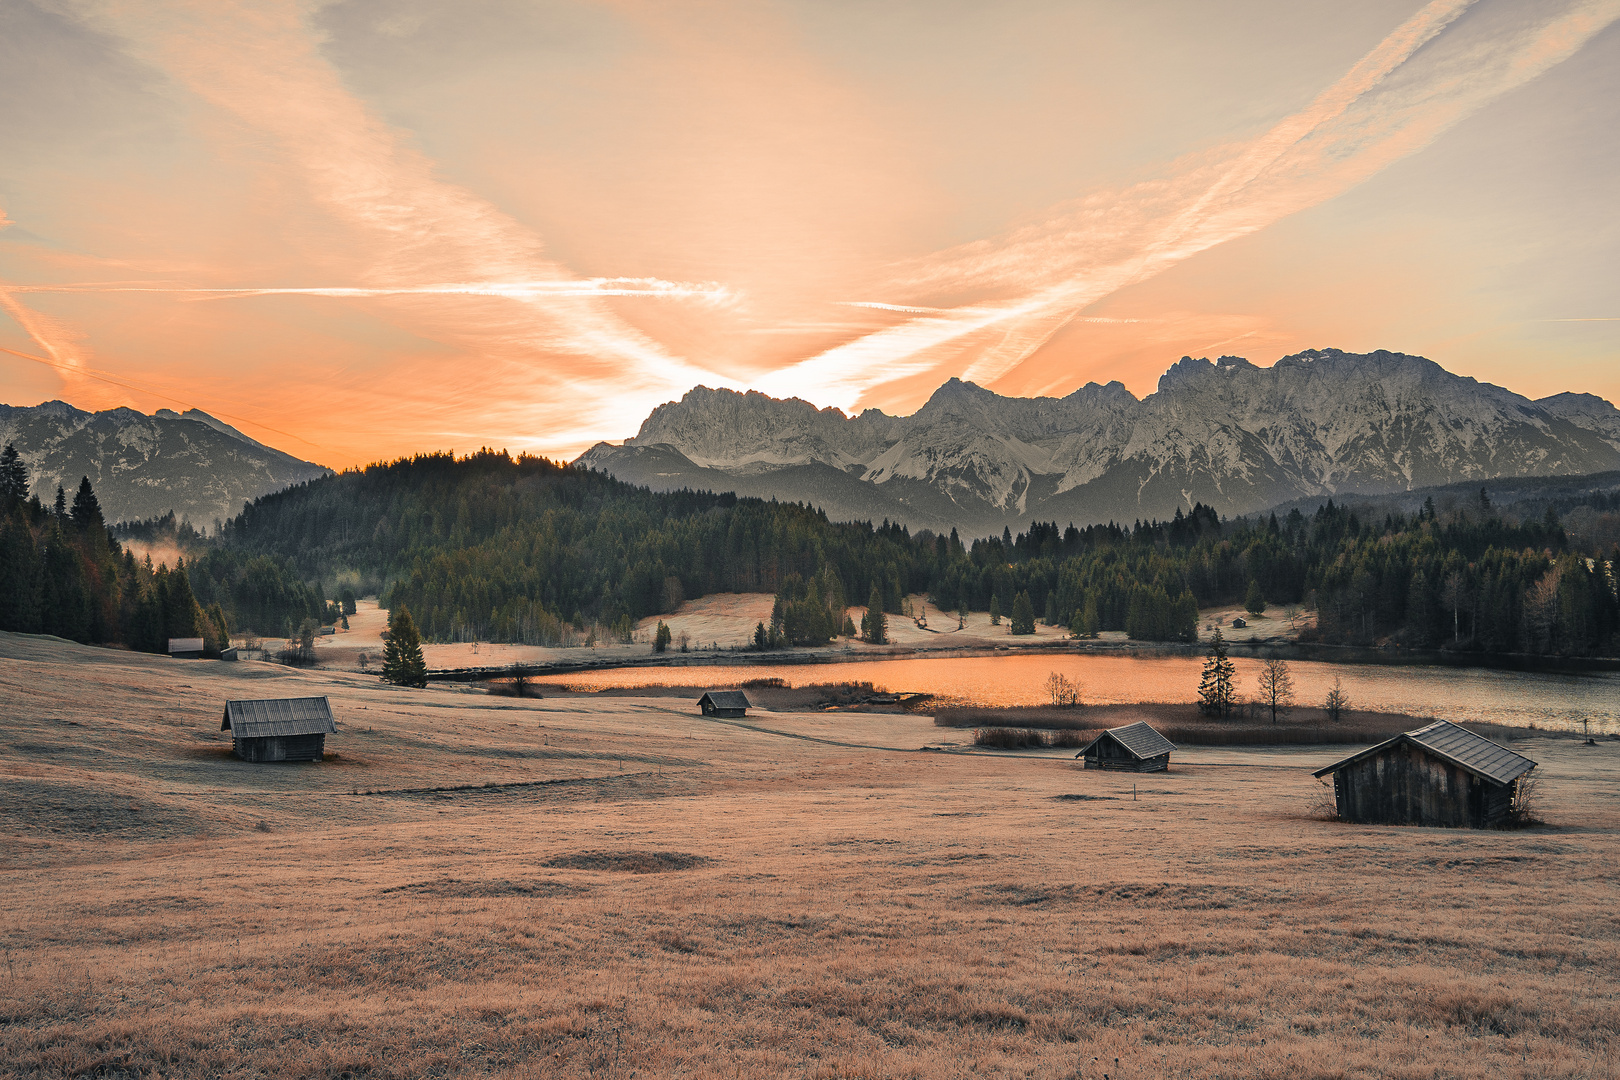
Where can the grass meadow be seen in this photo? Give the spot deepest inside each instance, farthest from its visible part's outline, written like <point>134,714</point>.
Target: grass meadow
<point>595,886</point>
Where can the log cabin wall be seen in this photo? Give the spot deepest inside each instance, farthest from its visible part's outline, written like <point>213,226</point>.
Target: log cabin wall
<point>1406,785</point>
<point>281,748</point>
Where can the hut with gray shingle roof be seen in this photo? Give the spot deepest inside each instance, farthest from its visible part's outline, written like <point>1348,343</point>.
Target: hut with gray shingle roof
<point>724,703</point>
<point>1439,775</point>
<point>279,729</point>
<point>1133,748</point>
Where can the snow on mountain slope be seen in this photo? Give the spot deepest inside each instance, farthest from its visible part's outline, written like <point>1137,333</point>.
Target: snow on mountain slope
<point>1586,411</point>
<point>1227,433</point>
<point>144,466</point>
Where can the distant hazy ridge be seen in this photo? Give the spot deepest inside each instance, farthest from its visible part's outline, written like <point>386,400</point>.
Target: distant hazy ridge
<point>144,466</point>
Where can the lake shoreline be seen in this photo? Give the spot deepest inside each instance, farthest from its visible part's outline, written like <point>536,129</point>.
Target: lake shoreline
<point>1265,649</point>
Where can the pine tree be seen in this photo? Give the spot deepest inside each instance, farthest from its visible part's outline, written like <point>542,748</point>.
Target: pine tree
<point>875,626</point>
<point>1023,614</point>
<point>1254,603</point>
<point>1215,691</point>
<point>662,637</point>
<point>86,512</point>
<point>995,611</point>
<point>60,505</point>
<point>402,655</point>
<point>13,478</point>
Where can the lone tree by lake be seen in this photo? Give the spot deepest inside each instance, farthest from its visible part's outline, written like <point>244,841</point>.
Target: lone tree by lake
<point>1215,690</point>
<point>1337,700</point>
<point>402,655</point>
<point>1276,686</point>
<point>1065,693</point>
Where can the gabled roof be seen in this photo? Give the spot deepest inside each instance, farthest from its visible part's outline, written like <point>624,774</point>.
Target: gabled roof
<point>1457,745</point>
<point>726,699</point>
<point>278,716</point>
<point>1139,738</point>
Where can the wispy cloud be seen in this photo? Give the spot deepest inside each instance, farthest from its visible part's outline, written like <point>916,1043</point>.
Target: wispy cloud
<point>712,292</point>
<point>260,63</point>
<point>1426,75</point>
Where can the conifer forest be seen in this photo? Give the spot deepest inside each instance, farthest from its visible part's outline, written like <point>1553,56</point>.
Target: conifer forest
<point>490,547</point>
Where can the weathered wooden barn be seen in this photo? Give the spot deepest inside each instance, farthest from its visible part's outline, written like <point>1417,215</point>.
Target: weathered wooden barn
<point>279,729</point>
<point>1441,775</point>
<point>724,703</point>
<point>186,648</point>
<point>1133,748</point>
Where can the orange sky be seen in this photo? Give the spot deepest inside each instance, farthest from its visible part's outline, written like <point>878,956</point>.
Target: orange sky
<point>363,229</point>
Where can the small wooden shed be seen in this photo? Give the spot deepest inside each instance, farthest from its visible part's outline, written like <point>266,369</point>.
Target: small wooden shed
<point>1442,775</point>
<point>279,729</point>
<point>186,648</point>
<point>724,703</point>
<point>1133,748</point>
<point>1239,622</point>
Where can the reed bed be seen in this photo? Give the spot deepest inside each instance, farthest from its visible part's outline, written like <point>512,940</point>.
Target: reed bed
<point>1183,725</point>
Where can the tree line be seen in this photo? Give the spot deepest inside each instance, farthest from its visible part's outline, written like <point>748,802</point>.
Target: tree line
<point>491,547</point>
<point>63,572</point>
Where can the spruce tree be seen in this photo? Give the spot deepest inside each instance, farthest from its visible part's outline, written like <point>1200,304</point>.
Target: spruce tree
<point>1023,614</point>
<point>875,625</point>
<point>1254,603</point>
<point>86,511</point>
<point>402,655</point>
<point>1215,695</point>
<point>662,637</point>
<point>13,478</point>
<point>60,505</point>
<point>995,611</point>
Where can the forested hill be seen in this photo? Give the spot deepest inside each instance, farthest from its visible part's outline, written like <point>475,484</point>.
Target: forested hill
<point>487,547</point>
<point>525,550</point>
<point>492,547</point>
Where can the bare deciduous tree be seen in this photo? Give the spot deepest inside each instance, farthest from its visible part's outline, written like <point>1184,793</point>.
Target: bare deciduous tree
<point>1337,700</point>
<point>1065,694</point>
<point>1276,686</point>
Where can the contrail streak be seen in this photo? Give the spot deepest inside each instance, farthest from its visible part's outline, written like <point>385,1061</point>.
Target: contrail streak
<point>1422,78</point>
<point>516,290</point>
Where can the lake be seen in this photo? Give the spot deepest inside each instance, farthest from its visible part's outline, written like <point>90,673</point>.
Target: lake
<point>1504,697</point>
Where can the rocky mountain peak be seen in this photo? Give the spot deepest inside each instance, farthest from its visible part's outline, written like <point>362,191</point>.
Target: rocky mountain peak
<point>1229,433</point>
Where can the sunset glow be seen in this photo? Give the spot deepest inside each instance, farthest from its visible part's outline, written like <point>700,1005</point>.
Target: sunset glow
<point>363,229</point>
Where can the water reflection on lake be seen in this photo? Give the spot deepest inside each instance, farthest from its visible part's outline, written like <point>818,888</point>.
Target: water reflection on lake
<point>1503,697</point>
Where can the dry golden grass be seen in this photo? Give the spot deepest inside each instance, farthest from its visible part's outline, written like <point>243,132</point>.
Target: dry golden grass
<point>645,893</point>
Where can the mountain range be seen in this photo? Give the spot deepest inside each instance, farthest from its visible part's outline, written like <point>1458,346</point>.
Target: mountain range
<point>144,466</point>
<point>1230,434</point>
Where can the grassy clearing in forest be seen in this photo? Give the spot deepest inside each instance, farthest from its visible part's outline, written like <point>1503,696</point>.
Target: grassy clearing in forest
<point>643,892</point>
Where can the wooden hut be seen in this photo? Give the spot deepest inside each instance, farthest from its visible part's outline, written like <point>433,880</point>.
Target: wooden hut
<point>1441,775</point>
<point>1239,623</point>
<point>724,703</point>
<point>1132,748</point>
<point>186,648</point>
<point>279,729</point>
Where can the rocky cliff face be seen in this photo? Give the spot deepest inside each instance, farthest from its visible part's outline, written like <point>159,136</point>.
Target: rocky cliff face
<point>1226,433</point>
<point>144,466</point>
